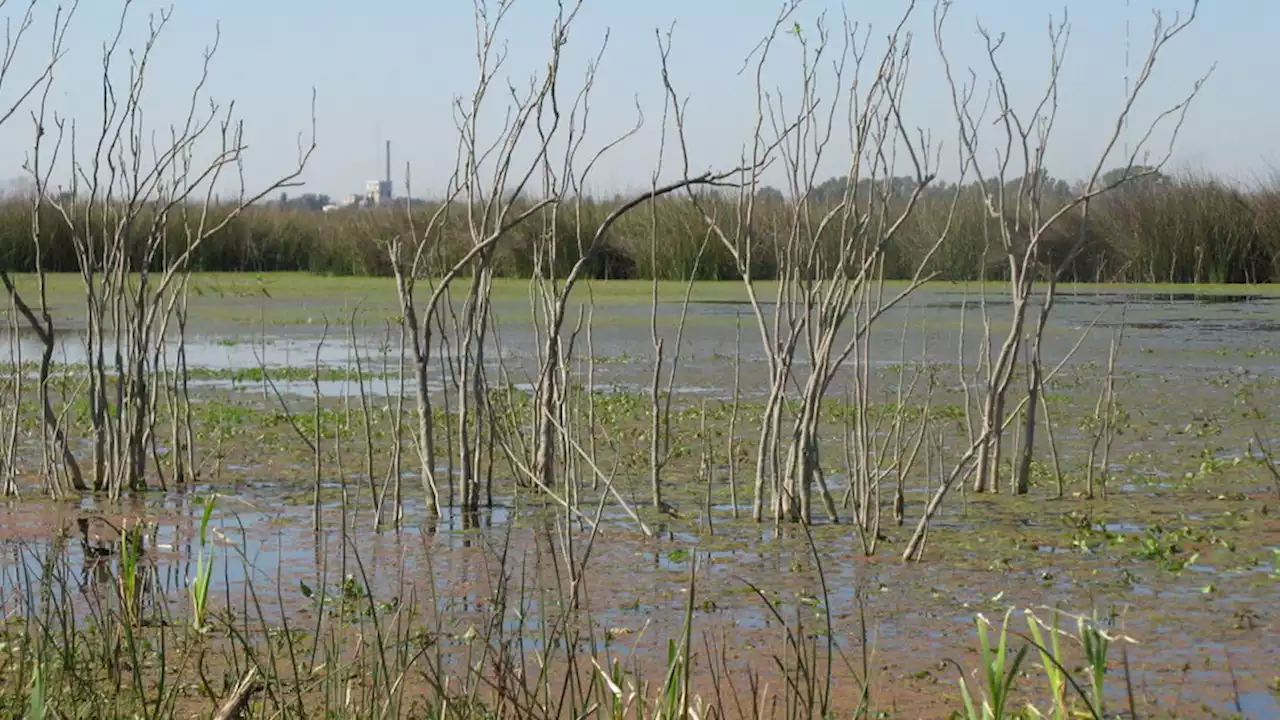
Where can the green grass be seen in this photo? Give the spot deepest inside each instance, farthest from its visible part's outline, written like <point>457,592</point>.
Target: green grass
<point>304,297</point>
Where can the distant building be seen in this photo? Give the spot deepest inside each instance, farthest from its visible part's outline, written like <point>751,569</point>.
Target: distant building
<point>377,192</point>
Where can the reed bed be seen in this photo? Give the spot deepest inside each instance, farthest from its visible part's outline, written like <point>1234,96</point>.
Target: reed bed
<point>1183,229</point>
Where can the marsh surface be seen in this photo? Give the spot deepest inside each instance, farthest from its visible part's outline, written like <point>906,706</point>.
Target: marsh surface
<point>1182,553</point>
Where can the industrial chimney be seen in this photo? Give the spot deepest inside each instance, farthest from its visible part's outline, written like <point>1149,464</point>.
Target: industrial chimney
<point>384,187</point>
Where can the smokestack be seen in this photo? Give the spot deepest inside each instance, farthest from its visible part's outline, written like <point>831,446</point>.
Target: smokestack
<point>388,165</point>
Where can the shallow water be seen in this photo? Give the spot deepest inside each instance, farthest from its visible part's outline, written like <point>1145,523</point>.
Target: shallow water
<point>1183,336</point>
<point>1187,359</point>
<point>914,613</point>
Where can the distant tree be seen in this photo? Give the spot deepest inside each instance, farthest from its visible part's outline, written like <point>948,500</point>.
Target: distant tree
<point>829,191</point>
<point>1048,186</point>
<point>1141,177</point>
<point>309,201</point>
<point>832,190</point>
<point>769,194</point>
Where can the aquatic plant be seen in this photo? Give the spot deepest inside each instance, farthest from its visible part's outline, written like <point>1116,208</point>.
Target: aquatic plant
<point>996,672</point>
<point>199,587</point>
<point>1068,698</point>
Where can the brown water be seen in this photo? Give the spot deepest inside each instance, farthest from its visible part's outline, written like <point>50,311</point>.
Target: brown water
<point>1191,365</point>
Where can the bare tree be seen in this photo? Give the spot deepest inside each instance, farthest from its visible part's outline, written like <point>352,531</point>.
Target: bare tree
<point>55,450</point>
<point>831,258</point>
<point>1022,220</point>
<point>489,183</point>
<point>138,204</point>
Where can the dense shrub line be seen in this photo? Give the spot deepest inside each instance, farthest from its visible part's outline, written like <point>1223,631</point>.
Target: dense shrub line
<point>1181,230</point>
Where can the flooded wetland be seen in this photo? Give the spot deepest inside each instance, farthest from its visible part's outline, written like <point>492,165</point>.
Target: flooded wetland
<point>779,399</point>
<point>283,534</point>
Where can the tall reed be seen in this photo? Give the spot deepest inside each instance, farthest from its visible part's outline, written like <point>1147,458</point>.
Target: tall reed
<point>1182,229</point>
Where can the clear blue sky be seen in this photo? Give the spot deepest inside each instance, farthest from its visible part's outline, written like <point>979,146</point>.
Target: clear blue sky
<point>390,70</point>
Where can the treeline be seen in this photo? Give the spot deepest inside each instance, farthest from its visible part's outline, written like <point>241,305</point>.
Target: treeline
<point>1163,230</point>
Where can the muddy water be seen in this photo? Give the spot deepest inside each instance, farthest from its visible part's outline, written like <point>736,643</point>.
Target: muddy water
<point>1207,631</point>
<point>916,617</point>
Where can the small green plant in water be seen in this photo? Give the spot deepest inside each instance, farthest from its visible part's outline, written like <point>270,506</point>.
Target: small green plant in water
<point>997,680</point>
<point>1163,547</point>
<point>998,673</point>
<point>1050,657</point>
<point>204,569</point>
<point>674,698</point>
<point>1096,643</point>
<point>130,556</point>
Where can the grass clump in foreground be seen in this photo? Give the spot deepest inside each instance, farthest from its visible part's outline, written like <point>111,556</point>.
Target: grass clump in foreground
<point>1067,697</point>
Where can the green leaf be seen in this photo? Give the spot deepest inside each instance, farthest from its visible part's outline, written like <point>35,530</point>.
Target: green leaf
<point>204,519</point>
<point>35,708</point>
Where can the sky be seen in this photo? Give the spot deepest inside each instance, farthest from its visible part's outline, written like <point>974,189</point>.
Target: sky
<point>391,71</point>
